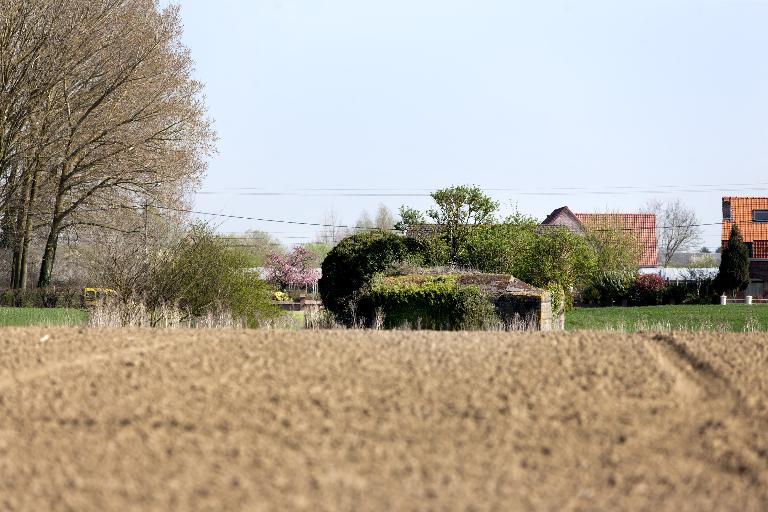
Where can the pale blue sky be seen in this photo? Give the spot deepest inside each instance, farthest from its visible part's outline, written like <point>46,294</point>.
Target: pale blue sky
<point>414,95</point>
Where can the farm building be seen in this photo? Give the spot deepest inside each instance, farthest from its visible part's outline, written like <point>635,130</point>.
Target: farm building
<point>750,214</point>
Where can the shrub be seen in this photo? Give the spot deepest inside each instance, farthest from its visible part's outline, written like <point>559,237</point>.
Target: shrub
<point>428,302</point>
<point>202,275</point>
<point>648,290</point>
<point>198,275</point>
<point>351,265</point>
<point>696,292</point>
<point>609,288</point>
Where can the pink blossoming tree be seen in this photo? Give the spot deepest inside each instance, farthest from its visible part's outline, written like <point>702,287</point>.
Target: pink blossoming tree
<point>292,270</point>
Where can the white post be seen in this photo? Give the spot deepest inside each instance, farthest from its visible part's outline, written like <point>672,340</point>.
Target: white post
<point>749,300</point>
<point>723,299</point>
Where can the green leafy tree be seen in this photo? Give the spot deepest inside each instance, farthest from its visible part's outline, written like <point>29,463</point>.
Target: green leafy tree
<point>734,265</point>
<point>557,260</point>
<point>458,208</point>
<point>617,261</point>
<point>616,249</point>
<point>495,248</point>
<point>554,259</point>
<point>408,217</point>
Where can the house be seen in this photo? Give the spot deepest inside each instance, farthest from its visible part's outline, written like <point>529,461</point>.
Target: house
<point>641,225</point>
<point>750,214</point>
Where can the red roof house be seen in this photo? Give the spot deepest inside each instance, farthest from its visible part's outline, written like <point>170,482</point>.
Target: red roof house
<point>750,214</point>
<point>641,225</point>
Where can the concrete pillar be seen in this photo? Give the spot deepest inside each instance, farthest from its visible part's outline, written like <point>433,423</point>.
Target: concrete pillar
<point>723,300</point>
<point>749,300</point>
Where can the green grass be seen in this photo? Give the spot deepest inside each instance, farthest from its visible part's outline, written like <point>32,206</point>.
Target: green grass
<point>37,316</point>
<point>732,318</point>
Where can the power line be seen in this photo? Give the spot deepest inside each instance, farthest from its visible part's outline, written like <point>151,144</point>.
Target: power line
<point>282,221</point>
<point>258,219</point>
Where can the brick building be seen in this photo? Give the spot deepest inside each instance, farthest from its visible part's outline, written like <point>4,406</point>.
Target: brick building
<point>750,214</point>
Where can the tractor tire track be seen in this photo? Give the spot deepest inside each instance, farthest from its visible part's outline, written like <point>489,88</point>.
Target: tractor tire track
<point>727,431</point>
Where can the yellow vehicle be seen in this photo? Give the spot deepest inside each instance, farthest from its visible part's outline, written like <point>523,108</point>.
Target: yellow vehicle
<point>95,296</point>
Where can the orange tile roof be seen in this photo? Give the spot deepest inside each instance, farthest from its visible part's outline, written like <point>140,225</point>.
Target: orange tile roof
<point>741,214</point>
<point>642,225</point>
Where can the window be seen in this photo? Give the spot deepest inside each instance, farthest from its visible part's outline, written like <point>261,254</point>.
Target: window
<point>760,215</point>
<point>726,210</point>
<point>760,249</point>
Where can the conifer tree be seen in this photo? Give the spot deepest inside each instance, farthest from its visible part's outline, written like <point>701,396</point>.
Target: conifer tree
<point>734,266</point>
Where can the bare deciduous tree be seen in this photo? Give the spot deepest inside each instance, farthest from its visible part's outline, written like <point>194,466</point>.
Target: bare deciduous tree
<point>331,232</point>
<point>364,222</point>
<point>677,228</point>
<point>385,220</point>
<point>99,115</point>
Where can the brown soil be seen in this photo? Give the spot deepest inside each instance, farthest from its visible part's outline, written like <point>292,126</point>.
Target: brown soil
<point>228,420</point>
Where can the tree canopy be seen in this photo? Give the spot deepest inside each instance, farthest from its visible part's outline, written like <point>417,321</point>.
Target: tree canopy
<point>457,208</point>
<point>100,118</point>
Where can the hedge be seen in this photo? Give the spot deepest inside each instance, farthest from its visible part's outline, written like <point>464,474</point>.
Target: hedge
<point>351,265</point>
<point>42,298</point>
<point>426,302</point>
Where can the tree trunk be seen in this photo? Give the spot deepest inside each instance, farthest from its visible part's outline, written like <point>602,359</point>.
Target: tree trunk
<point>22,234</point>
<point>9,212</point>
<point>49,256</point>
<point>27,233</point>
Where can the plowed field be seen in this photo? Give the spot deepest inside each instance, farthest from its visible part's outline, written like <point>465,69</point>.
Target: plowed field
<point>237,420</point>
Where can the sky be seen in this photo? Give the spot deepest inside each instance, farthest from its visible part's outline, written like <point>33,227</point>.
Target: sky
<point>340,105</point>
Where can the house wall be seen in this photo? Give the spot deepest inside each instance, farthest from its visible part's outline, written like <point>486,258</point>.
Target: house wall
<point>738,210</point>
<point>565,219</point>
